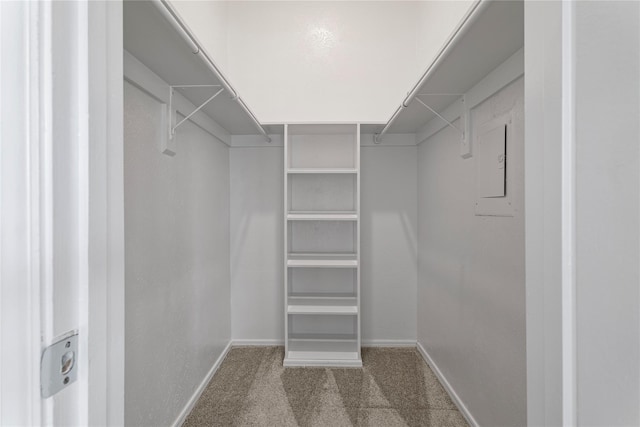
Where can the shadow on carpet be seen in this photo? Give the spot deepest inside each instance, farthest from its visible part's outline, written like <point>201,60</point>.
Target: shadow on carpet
<point>395,387</point>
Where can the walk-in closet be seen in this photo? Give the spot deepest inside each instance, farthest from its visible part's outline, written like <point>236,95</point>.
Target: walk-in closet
<point>320,213</point>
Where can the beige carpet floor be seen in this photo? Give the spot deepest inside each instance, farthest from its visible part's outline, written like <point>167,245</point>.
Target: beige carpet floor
<point>395,387</point>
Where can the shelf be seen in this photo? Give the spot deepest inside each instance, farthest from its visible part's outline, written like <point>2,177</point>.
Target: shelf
<point>322,352</point>
<point>322,216</point>
<point>324,129</point>
<point>322,305</point>
<point>149,37</point>
<point>322,171</point>
<point>341,310</point>
<point>322,260</point>
<point>328,296</point>
<point>489,35</point>
<point>338,338</point>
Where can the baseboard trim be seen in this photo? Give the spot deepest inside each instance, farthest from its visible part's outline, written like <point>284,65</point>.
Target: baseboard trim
<point>388,343</point>
<point>256,343</point>
<point>196,395</point>
<point>454,396</point>
<point>365,343</point>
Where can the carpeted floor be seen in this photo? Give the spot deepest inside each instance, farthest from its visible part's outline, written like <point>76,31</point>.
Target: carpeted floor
<point>394,388</point>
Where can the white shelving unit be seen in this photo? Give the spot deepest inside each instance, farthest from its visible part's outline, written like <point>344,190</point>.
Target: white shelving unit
<point>322,245</point>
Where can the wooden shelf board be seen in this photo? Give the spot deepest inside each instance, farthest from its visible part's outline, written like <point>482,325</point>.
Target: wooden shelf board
<point>323,260</point>
<point>322,216</point>
<point>326,128</point>
<point>329,360</point>
<point>324,337</point>
<point>338,352</point>
<point>322,309</point>
<point>326,296</point>
<point>321,171</point>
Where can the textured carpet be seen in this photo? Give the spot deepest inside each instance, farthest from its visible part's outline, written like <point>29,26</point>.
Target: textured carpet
<point>394,388</point>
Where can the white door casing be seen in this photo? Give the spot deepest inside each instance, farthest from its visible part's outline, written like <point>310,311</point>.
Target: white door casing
<point>61,199</point>
<point>20,253</point>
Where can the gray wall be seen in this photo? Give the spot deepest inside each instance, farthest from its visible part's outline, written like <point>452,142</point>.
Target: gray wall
<point>388,243</point>
<point>607,101</point>
<point>177,262</point>
<point>583,330</point>
<point>257,243</point>
<point>471,293</point>
<point>543,185</point>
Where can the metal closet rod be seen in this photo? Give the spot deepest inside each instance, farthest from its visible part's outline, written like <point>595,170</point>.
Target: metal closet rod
<point>472,15</point>
<point>172,17</point>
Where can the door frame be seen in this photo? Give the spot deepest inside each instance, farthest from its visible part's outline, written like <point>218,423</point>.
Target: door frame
<point>27,305</point>
<point>106,293</point>
<point>21,252</point>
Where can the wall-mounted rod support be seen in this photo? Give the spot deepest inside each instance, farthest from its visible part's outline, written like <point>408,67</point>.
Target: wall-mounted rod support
<point>174,20</point>
<point>440,116</point>
<point>173,129</point>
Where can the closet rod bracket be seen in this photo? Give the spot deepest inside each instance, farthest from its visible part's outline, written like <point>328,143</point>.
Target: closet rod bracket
<point>451,125</point>
<point>465,142</point>
<point>173,111</point>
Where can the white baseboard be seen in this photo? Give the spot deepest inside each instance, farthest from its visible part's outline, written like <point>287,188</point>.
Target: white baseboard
<point>388,343</point>
<point>365,343</point>
<point>257,342</point>
<point>196,395</point>
<point>454,396</point>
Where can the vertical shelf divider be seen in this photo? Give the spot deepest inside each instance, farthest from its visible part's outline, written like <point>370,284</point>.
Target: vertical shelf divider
<point>357,202</point>
<point>286,242</point>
